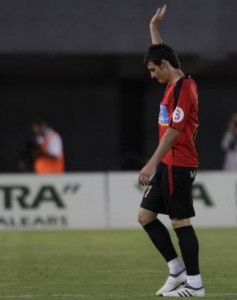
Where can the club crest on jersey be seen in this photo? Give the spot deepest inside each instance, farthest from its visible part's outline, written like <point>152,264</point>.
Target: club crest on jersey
<point>163,116</point>
<point>178,115</point>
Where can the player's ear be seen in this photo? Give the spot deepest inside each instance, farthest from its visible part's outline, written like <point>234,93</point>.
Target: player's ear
<point>164,64</point>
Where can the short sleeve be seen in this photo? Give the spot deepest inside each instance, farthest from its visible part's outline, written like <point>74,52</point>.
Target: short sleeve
<point>183,100</point>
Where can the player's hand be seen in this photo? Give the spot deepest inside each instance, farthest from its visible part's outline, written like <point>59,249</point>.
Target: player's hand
<point>160,13</point>
<point>146,173</point>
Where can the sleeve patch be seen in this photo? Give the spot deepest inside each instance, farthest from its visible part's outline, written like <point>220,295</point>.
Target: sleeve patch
<point>178,115</point>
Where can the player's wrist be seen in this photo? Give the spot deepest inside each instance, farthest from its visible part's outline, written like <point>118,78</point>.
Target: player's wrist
<point>154,161</point>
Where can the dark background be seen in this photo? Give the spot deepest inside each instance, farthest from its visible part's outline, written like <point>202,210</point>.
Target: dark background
<point>79,65</point>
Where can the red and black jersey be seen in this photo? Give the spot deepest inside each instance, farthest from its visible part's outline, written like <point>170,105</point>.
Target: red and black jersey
<point>179,110</point>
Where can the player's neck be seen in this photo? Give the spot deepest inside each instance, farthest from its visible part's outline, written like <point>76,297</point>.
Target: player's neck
<point>175,75</point>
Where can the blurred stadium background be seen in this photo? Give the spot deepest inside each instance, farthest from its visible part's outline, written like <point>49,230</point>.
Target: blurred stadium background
<point>79,65</point>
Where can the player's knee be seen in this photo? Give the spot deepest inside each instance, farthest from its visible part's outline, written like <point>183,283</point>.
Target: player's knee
<point>144,218</point>
<point>177,223</point>
<point>140,218</point>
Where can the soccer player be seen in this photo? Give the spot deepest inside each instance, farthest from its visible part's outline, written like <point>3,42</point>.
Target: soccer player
<point>170,172</point>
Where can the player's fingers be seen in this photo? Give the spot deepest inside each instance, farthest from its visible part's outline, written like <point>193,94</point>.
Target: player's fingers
<point>145,179</point>
<point>163,10</point>
<point>158,11</point>
<point>142,179</point>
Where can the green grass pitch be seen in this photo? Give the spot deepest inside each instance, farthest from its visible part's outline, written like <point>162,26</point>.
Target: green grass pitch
<point>105,264</point>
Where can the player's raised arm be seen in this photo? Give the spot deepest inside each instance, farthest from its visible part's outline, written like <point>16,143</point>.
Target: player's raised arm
<point>154,24</point>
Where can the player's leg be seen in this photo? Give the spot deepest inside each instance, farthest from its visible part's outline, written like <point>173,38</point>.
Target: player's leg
<point>158,234</point>
<point>180,207</point>
<point>152,203</point>
<point>189,247</point>
<point>161,239</point>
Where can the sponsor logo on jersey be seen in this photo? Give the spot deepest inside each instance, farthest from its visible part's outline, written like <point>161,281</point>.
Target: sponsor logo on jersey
<point>163,116</point>
<point>178,114</point>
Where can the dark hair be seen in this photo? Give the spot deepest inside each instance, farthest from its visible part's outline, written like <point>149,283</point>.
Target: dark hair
<point>161,51</point>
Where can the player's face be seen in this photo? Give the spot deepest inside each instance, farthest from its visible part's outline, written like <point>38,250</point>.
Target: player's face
<point>157,72</point>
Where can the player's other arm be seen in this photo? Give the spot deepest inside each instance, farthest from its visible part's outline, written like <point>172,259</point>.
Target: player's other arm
<point>164,146</point>
<point>154,25</point>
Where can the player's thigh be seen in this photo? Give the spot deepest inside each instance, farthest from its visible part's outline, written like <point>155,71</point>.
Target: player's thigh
<point>177,188</point>
<point>153,199</point>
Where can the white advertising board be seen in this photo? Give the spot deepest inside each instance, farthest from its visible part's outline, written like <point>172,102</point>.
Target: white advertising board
<point>215,199</point>
<point>68,201</point>
<point>104,200</point>
<point>125,198</point>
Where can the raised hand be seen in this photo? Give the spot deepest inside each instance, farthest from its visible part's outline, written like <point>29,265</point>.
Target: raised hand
<point>156,19</point>
<point>160,13</point>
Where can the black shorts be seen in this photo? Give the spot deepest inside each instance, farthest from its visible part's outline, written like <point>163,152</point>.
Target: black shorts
<point>170,192</point>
